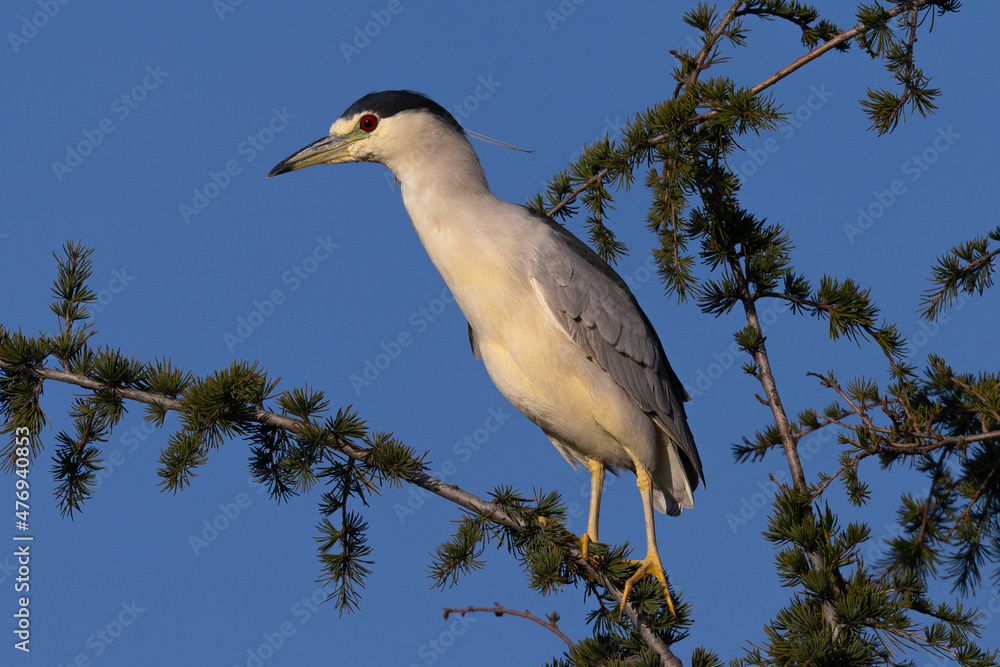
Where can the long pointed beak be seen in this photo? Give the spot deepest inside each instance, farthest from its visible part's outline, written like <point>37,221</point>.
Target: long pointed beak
<point>328,150</point>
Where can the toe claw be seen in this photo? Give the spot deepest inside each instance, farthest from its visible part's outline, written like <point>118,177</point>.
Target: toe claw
<point>649,566</point>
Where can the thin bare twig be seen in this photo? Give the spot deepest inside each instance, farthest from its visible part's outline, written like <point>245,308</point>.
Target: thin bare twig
<point>925,521</point>
<point>500,610</point>
<point>936,439</point>
<point>570,196</point>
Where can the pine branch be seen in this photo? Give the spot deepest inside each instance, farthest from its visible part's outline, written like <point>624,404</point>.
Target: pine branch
<point>788,440</point>
<point>697,64</point>
<point>972,502</point>
<point>835,42</point>
<point>450,492</point>
<point>966,268</point>
<point>569,198</point>
<point>896,440</point>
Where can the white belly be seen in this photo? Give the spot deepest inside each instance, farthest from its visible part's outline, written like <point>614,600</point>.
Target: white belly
<point>529,357</point>
<point>552,382</point>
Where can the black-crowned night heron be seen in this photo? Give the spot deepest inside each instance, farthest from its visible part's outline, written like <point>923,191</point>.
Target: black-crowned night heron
<point>559,331</point>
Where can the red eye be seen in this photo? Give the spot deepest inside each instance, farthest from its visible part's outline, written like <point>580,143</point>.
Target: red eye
<point>368,123</point>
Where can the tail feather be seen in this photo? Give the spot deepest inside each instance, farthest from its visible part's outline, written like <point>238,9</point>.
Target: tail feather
<point>672,481</point>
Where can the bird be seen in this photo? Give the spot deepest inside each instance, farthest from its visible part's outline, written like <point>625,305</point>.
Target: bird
<point>560,333</point>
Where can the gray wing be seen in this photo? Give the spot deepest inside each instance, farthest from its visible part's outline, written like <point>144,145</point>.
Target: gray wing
<point>600,314</point>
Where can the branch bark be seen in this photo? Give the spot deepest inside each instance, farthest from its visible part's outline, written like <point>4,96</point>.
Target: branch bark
<point>845,36</point>
<point>796,64</point>
<point>500,610</point>
<point>788,440</point>
<point>449,492</point>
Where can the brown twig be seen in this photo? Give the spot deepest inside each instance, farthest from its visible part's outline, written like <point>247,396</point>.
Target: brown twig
<point>936,439</point>
<point>699,60</point>
<point>834,42</point>
<point>926,519</point>
<point>570,196</point>
<point>788,440</point>
<point>500,610</point>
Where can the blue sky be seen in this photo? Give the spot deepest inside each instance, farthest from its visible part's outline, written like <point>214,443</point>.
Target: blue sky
<point>179,107</point>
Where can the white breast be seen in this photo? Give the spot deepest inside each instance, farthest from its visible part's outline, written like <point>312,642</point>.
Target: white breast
<point>527,354</point>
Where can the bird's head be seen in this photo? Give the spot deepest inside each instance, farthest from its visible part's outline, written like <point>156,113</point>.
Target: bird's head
<point>392,127</point>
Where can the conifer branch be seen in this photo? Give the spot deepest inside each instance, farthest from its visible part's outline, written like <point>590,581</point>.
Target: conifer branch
<point>697,64</point>
<point>489,510</point>
<point>972,502</point>
<point>575,192</point>
<point>788,440</point>
<point>837,41</point>
<point>975,275</point>
<point>899,440</point>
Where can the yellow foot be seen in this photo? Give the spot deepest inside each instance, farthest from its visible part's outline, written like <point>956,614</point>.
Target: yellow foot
<point>585,544</point>
<point>651,565</point>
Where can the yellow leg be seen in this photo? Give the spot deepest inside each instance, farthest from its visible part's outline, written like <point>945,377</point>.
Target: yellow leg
<point>651,564</point>
<point>596,486</point>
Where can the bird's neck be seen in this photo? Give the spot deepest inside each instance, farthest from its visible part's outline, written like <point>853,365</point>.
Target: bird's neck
<point>443,186</point>
<point>465,229</point>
